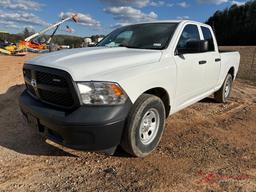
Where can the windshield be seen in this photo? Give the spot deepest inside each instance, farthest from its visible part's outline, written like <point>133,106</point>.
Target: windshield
<point>141,36</point>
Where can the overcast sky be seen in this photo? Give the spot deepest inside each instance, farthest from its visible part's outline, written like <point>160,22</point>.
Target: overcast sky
<point>102,16</point>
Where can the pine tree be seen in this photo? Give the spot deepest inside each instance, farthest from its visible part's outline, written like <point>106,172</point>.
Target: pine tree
<point>235,25</point>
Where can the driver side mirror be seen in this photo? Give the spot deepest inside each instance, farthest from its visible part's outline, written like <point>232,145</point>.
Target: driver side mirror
<point>200,46</point>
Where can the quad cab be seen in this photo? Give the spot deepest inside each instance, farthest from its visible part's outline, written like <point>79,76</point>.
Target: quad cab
<point>121,91</point>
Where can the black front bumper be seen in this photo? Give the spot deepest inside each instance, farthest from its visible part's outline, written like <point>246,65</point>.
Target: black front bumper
<point>87,127</point>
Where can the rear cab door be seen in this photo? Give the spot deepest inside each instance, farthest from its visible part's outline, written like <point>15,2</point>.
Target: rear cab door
<point>212,56</point>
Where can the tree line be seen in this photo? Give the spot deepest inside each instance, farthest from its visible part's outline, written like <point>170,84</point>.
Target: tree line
<point>235,25</point>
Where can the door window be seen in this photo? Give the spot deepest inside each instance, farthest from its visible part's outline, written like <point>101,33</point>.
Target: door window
<point>190,33</point>
<point>208,36</point>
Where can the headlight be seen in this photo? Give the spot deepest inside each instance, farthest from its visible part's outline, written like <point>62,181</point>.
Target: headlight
<point>101,93</point>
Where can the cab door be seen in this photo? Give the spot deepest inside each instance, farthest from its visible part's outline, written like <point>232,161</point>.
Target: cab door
<point>213,65</point>
<point>190,68</point>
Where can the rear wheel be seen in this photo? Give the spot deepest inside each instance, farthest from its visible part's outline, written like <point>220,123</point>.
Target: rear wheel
<point>223,94</point>
<point>145,125</point>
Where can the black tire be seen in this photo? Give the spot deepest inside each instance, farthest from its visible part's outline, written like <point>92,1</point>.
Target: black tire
<point>132,140</point>
<point>222,95</point>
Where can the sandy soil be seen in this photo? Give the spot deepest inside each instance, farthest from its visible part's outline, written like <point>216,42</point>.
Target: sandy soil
<point>206,147</point>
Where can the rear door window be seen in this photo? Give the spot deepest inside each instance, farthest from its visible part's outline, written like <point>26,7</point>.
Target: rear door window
<point>208,36</point>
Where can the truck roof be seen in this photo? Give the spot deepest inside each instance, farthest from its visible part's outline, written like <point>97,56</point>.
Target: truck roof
<point>184,21</point>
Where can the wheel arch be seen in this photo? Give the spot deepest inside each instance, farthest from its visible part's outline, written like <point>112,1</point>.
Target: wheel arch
<point>163,95</point>
<point>232,71</point>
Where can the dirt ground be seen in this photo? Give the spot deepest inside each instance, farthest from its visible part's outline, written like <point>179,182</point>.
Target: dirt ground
<point>207,147</point>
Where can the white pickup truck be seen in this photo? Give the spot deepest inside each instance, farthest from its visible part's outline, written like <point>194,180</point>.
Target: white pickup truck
<point>121,91</point>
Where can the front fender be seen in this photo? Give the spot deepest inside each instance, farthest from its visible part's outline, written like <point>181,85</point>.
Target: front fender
<point>141,79</point>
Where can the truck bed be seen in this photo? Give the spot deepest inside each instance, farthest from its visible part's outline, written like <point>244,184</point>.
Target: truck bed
<point>229,59</point>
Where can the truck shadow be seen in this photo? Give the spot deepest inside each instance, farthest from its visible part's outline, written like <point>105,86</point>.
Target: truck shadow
<point>14,131</point>
<point>208,100</point>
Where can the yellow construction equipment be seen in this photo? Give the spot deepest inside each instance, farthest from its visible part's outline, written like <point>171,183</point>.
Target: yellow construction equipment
<point>21,48</point>
<point>5,52</point>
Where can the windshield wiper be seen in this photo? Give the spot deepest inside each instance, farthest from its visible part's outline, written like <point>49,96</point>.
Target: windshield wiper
<point>127,46</point>
<point>123,45</point>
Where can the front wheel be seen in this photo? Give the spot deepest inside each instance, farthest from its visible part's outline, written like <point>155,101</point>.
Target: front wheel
<point>145,125</point>
<point>223,94</point>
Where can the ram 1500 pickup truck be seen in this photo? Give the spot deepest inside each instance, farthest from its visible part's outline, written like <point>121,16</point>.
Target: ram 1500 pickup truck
<point>120,92</point>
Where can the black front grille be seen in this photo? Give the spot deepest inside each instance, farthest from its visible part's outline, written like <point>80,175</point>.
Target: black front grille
<point>27,73</point>
<point>31,89</point>
<point>51,86</point>
<point>50,79</point>
<point>56,98</point>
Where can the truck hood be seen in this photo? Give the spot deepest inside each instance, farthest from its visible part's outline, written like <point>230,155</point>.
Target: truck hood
<point>92,63</point>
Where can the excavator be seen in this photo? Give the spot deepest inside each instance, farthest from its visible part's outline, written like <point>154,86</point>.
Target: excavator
<point>21,48</point>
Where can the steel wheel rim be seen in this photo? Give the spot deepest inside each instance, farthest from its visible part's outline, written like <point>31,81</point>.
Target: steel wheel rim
<point>149,126</point>
<point>228,87</point>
